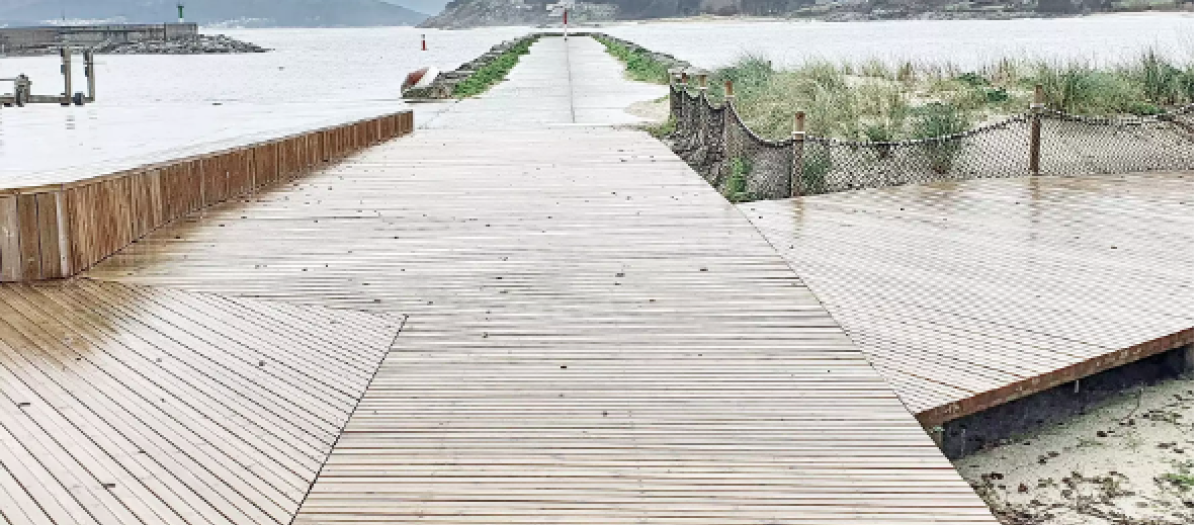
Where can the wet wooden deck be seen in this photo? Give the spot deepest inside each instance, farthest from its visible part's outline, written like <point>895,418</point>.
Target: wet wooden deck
<point>966,295</point>
<point>592,335</point>
<point>125,404</point>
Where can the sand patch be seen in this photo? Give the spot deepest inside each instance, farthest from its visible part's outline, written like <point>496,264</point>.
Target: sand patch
<point>656,111</point>
<point>1128,461</point>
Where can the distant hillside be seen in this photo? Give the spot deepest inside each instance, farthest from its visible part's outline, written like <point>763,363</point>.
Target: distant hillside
<point>467,13</point>
<point>256,13</point>
<point>431,7</point>
<point>471,13</point>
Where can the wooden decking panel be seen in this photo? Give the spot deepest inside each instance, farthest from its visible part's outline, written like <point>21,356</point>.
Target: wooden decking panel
<point>123,404</point>
<point>594,336</point>
<point>967,294</point>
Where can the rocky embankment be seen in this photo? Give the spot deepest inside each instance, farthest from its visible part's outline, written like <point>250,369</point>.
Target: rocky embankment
<point>200,45</point>
<point>443,86</point>
<point>667,60</point>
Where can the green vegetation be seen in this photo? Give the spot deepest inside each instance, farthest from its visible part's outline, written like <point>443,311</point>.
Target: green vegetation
<point>938,119</point>
<point>1182,479</point>
<point>1142,88</point>
<point>640,65</point>
<point>662,129</point>
<point>736,186</point>
<point>494,72</point>
<point>876,100</point>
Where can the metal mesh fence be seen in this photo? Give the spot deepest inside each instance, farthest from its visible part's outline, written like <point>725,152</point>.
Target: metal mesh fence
<point>744,166</point>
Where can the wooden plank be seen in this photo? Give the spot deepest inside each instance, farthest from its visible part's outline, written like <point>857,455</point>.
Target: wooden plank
<point>156,208</point>
<point>30,238</point>
<point>10,240</point>
<point>62,217</point>
<point>48,232</point>
<point>141,208</point>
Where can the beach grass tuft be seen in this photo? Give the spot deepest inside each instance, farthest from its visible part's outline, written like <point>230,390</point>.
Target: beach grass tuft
<point>876,100</point>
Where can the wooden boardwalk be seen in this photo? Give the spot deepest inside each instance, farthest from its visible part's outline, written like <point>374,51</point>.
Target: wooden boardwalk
<point>966,295</point>
<point>123,404</point>
<point>592,335</point>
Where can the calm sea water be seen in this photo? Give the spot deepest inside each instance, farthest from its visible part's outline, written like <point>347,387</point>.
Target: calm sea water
<point>156,107</point>
<point>968,43</point>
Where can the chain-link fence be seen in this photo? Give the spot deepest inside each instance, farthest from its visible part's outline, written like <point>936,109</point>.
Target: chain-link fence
<point>744,166</point>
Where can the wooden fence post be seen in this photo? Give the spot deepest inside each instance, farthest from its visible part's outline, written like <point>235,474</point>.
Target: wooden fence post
<point>1035,130</point>
<point>65,53</point>
<point>674,95</point>
<point>728,127</point>
<point>702,118</point>
<point>797,182</point>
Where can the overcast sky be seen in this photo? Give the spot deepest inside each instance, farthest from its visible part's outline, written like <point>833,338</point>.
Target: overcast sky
<point>429,7</point>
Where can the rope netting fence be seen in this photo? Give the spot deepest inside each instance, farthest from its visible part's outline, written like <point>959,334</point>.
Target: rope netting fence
<point>744,166</point>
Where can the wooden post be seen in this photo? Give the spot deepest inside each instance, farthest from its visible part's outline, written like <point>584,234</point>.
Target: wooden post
<point>64,234</point>
<point>703,131</point>
<point>730,123</point>
<point>89,71</point>
<point>1035,130</point>
<point>10,240</point>
<point>673,92</point>
<point>797,182</point>
<point>65,52</point>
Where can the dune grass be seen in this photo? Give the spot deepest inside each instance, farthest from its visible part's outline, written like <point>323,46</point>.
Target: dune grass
<point>878,101</point>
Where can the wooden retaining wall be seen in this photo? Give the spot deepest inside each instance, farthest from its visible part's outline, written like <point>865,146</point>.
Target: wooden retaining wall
<point>56,231</point>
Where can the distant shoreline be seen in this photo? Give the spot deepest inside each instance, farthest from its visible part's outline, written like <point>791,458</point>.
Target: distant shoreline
<point>854,16</point>
<point>1017,15</point>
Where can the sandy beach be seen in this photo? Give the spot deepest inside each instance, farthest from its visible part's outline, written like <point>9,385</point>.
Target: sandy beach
<point>1128,461</point>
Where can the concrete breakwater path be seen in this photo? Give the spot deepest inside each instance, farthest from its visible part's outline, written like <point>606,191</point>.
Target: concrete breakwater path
<point>520,314</point>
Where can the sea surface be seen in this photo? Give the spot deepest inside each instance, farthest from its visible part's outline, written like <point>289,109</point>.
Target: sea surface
<point>155,107</point>
<point>966,43</point>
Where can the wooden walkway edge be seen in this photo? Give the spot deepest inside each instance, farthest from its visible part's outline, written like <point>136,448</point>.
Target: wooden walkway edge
<point>967,295</point>
<point>59,230</point>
